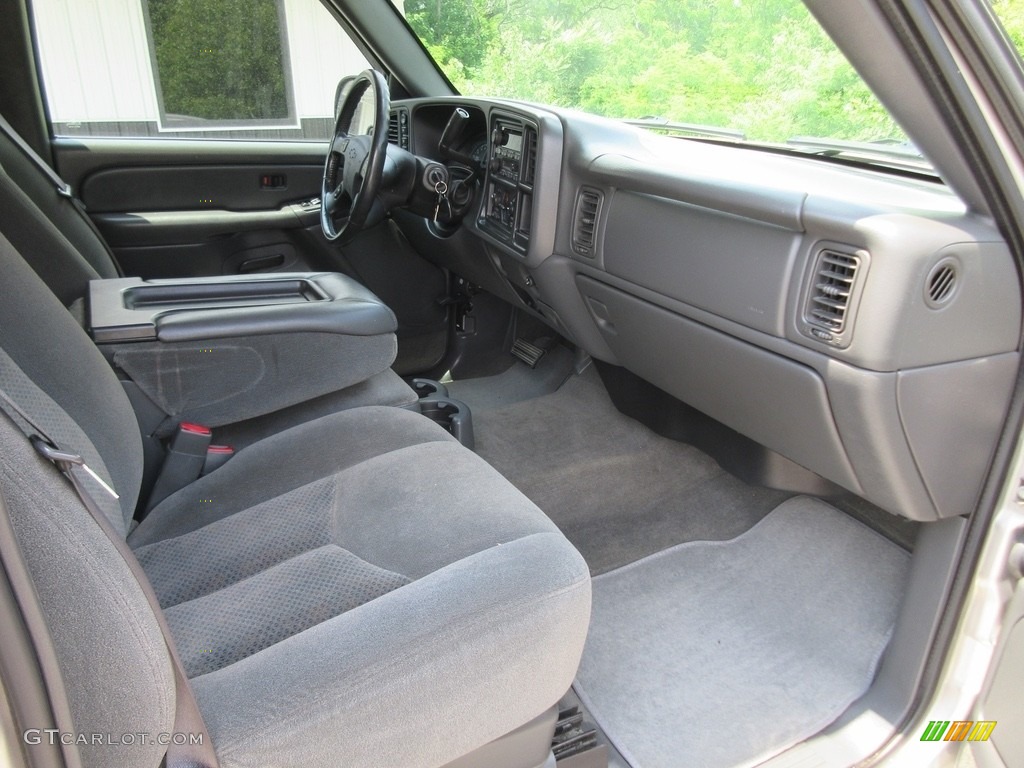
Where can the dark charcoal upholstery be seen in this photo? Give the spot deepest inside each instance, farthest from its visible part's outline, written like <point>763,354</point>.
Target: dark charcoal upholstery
<point>357,590</point>
<point>184,379</point>
<point>47,229</point>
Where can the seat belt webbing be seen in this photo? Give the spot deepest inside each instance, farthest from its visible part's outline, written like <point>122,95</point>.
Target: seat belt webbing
<point>62,187</point>
<point>187,717</point>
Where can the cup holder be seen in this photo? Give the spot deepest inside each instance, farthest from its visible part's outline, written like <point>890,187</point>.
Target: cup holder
<point>428,388</point>
<point>453,415</point>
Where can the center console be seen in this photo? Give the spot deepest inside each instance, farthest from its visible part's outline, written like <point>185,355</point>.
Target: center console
<point>507,211</point>
<point>223,349</point>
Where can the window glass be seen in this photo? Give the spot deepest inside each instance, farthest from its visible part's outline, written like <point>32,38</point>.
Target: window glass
<point>365,113</point>
<point>247,69</point>
<point>1011,14</point>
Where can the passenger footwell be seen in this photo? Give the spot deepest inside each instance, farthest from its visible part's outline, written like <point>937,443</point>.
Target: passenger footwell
<point>723,653</point>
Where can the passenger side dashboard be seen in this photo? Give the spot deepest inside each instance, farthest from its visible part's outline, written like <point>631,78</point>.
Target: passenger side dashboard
<point>863,324</point>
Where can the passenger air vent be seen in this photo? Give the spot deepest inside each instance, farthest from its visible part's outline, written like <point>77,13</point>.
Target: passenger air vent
<point>941,284</point>
<point>529,156</point>
<point>398,128</point>
<point>584,224</point>
<point>829,303</point>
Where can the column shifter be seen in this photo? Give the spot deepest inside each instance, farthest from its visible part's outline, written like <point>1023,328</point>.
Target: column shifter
<point>452,135</point>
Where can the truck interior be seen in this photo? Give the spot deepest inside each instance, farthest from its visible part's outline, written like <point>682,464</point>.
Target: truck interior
<point>485,432</point>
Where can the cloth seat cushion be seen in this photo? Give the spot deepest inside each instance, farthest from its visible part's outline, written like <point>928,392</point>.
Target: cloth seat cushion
<point>368,591</point>
<point>364,597</point>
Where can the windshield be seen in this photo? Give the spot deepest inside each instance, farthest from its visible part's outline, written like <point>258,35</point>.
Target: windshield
<point>764,71</point>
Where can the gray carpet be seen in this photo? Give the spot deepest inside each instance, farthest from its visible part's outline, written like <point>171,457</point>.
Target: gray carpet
<point>721,654</point>
<point>516,384</point>
<point>618,491</point>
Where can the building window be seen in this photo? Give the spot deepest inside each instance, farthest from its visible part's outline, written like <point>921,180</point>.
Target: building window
<point>254,70</point>
<point>220,64</point>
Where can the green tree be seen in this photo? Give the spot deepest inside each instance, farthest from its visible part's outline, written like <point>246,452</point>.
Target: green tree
<point>1011,14</point>
<point>220,59</point>
<point>807,87</point>
<point>458,33</point>
<point>760,66</point>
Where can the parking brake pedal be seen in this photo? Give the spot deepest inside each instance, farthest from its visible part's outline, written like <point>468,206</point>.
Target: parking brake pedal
<point>527,352</point>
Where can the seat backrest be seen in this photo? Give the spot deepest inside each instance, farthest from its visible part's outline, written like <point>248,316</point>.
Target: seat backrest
<point>47,229</point>
<point>51,368</point>
<point>114,665</point>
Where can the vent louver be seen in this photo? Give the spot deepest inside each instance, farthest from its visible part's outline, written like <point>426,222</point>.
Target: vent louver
<point>398,128</point>
<point>530,157</point>
<point>833,286</point>
<point>941,284</point>
<point>584,226</point>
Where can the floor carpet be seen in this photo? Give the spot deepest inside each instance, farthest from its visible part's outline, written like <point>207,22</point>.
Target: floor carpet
<point>724,653</point>
<point>618,491</point>
<point>516,384</point>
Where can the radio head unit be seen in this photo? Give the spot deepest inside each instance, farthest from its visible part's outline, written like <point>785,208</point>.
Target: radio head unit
<point>507,210</point>
<point>506,152</point>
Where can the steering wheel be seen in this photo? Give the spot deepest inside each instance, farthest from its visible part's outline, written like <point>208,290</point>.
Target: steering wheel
<point>355,162</point>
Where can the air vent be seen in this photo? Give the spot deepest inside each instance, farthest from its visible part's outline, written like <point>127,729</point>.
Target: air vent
<point>829,302</point>
<point>529,156</point>
<point>398,128</point>
<point>941,284</point>
<point>584,225</point>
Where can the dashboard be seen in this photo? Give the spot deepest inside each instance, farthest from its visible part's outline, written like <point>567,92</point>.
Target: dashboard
<point>862,324</point>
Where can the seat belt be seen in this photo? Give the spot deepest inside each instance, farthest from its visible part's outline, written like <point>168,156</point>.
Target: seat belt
<point>62,187</point>
<point>186,456</point>
<point>187,717</point>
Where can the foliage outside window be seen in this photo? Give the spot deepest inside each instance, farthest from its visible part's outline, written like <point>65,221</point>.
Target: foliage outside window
<point>1011,14</point>
<point>763,67</point>
<point>221,61</point>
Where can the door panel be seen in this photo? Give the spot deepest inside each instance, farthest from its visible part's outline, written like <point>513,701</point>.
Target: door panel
<point>250,187</point>
<point>176,208</point>
<point>79,157</point>
<point>159,227</point>
<point>242,253</point>
<point>999,702</point>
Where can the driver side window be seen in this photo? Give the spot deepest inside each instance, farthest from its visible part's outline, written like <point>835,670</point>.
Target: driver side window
<point>239,69</point>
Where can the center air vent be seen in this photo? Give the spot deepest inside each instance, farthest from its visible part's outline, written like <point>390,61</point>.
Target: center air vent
<point>398,128</point>
<point>584,224</point>
<point>529,156</point>
<point>829,301</point>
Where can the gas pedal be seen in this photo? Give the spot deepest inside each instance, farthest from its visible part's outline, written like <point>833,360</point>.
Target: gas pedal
<point>527,352</point>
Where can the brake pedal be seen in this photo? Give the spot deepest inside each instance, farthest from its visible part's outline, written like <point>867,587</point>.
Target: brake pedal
<point>527,352</point>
